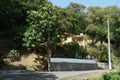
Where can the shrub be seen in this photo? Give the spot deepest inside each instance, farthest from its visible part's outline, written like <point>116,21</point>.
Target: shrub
<point>112,76</point>
<point>93,51</point>
<point>72,48</point>
<point>115,77</point>
<point>103,56</point>
<point>13,53</point>
<point>109,76</point>
<point>106,76</point>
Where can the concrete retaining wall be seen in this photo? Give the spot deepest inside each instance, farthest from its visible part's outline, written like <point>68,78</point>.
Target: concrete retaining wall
<point>63,64</point>
<point>102,65</point>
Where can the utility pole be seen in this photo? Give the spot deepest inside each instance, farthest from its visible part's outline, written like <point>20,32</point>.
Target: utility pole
<point>109,51</point>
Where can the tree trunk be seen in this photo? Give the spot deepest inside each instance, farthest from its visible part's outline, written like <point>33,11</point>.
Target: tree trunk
<point>49,51</point>
<point>93,42</point>
<point>49,57</point>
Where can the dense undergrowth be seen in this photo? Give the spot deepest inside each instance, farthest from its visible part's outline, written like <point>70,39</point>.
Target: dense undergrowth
<point>115,75</point>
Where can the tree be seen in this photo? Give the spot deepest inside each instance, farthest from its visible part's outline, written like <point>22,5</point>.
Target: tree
<point>113,14</point>
<point>97,33</point>
<point>77,17</point>
<point>115,37</point>
<point>101,33</point>
<point>34,4</point>
<point>12,21</point>
<point>13,15</point>
<point>95,15</point>
<point>75,8</point>
<point>91,30</point>
<point>43,29</point>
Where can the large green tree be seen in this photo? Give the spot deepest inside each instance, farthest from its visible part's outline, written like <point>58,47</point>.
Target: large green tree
<point>95,15</point>
<point>12,21</point>
<point>99,17</point>
<point>101,34</point>
<point>91,30</point>
<point>113,14</point>
<point>13,15</point>
<point>77,17</point>
<point>44,28</point>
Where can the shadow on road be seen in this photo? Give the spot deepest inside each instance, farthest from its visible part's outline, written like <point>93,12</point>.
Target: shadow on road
<point>28,76</point>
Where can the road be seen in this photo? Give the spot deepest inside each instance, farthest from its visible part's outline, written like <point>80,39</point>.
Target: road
<point>44,75</point>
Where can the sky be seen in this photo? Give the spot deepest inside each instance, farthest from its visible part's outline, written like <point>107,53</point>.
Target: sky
<point>87,3</point>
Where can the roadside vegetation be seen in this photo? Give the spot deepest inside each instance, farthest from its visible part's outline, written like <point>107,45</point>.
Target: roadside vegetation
<point>38,26</point>
<point>115,75</point>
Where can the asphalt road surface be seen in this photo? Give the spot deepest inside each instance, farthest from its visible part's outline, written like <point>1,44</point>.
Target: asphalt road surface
<point>43,75</point>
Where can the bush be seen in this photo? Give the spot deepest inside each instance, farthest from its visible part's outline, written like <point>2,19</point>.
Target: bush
<point>93,51</point>
<point>103,56</point>
<point>112,76</point>
<point>109,76</point>
<point>70,49</point>
<point>115,77</point>
<point>106,76</point>
<point>13,53</point>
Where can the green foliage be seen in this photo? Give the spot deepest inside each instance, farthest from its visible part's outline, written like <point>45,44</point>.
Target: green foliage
<point>13,14</point>
<point>77,17</point>
<point>106,76</point>
<point>115,75</point>
<point>99,17</point>
<point>12,20</point>
<point>94,51</point>
<point>111,76</point>
<point>13,53</point>
<point>115,36</point>
<point>38,23</point>
<point>101,34</point>
<point>42,28</point>
<point>95,15</point>
<point>91,30</point>
<point>72,48</point>
<point>116,59</point>
<point>75,8</point>
<point>98,33</point>
<point>103,56</point>
<point>99,52</point>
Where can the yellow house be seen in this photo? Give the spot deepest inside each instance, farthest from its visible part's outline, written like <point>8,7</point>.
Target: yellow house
<point>81,39</point>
